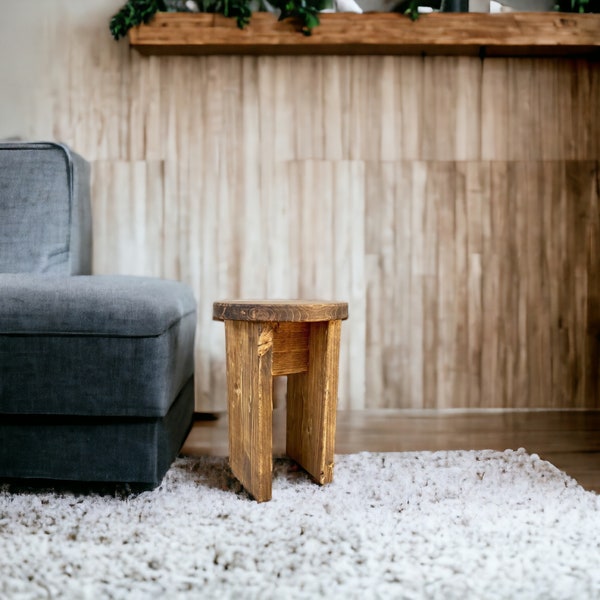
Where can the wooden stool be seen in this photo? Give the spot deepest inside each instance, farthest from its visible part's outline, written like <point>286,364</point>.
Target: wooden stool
<point>300,339</point>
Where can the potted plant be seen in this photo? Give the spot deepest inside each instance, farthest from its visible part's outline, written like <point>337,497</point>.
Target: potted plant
<point>136,12</point>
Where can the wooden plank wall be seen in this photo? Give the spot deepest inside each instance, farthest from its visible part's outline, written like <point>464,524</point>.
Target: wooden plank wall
<point>453,202</point>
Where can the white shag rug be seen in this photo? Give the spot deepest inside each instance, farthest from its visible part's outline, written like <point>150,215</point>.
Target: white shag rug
<point>396,525</point>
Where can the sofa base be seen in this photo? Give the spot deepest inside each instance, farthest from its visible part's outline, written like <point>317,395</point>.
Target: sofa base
<point>129,450</point>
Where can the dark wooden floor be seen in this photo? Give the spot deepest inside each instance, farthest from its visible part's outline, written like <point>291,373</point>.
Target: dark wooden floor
<point>568,439</point>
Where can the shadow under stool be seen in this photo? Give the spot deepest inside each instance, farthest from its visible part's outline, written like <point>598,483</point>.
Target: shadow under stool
<point>264,339</point>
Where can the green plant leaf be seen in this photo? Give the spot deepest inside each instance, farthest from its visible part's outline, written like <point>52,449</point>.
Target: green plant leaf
<point>134,13</point>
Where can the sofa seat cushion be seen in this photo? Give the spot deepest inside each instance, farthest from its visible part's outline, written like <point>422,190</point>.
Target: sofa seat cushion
<point>94,346</point>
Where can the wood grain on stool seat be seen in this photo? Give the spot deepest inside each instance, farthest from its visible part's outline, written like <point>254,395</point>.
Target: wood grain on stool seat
<point>304,311</point>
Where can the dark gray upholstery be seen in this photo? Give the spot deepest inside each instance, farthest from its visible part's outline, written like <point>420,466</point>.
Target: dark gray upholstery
<point>61,336</point>
<point>45,219</point>
<point>134,450</point>
<point>96,372</point>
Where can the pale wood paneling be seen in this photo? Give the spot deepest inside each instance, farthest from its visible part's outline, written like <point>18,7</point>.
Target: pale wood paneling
<point>128,235</point>
<point>326,241</point>
<point>453,202</point>
<point>468,282</point>
<point>540,109</point>
<point>498,304</point>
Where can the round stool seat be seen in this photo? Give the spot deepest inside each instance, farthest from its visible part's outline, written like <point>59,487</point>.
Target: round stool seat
<point>294,311</point>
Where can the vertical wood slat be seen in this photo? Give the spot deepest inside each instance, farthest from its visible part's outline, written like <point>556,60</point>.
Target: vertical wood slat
<point>214,170</point>
<point>451,120</point>
<point>249,362</point>
<point>423,268</point>
<point>312,404</point>
<point>477,195</point>
<point>592,343</point>
<point>128,236</point>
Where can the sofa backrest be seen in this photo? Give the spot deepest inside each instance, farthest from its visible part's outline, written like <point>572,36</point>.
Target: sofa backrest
<point>45,215</point>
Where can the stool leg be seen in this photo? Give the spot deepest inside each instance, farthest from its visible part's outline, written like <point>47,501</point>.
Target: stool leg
<point>312,404</point>
<point>249,348</point>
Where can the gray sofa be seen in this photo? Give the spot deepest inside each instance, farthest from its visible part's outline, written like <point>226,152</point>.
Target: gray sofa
<point>96,372</point>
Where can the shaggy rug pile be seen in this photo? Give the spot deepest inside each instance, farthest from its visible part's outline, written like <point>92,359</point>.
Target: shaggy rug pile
<point>396,525</point>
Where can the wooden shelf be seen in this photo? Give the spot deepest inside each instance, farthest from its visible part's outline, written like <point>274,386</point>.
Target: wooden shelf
<point>503,34</point>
